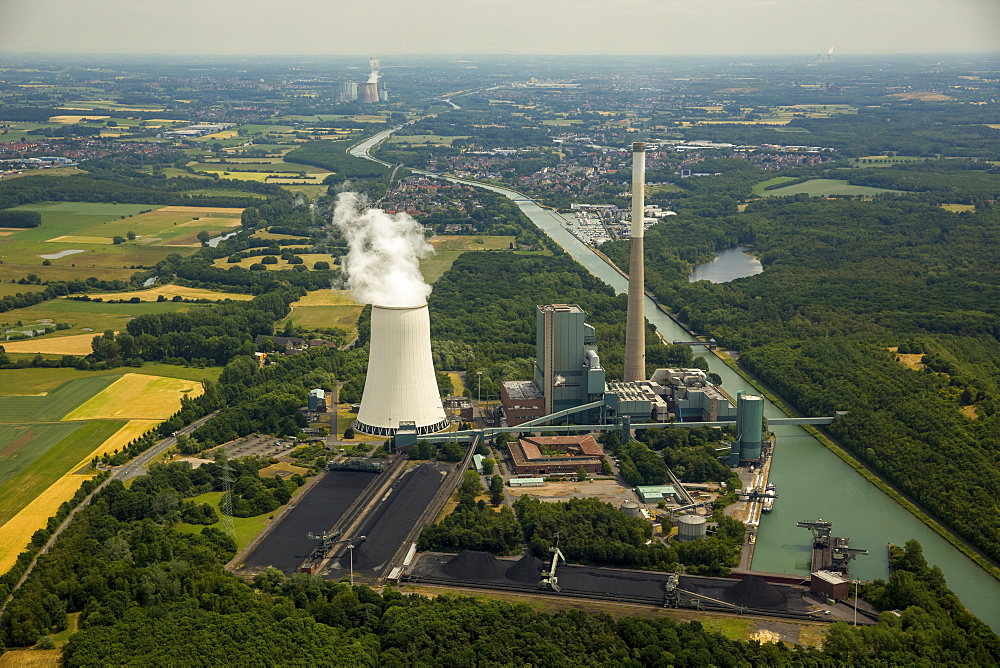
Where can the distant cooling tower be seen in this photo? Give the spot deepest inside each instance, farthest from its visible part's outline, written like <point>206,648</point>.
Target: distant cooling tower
<point>401,385</point>
<point>368,93</point>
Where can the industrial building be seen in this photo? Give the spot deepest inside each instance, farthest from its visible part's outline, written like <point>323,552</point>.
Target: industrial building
<point>547,455</point>
<point>568,370</point>
<point>657,493</point>
<point>317,400</point>
<point>522,401</point>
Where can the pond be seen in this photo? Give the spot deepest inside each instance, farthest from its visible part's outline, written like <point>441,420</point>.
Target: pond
<point>728,265</point>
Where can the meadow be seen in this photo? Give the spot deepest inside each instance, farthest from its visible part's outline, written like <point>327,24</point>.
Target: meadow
<point>15,382</point>
<point>309,259</point>
<point>245,527</point>
<point>821,187</point>
<point>170,291</point>
<point>86,317</point>
<point>89,229</point>
<point>448,248</point>
<point>424,140</point>
<point>326,308</point>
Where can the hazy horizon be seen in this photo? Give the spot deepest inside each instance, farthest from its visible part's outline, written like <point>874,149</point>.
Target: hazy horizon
<point>301,28</point>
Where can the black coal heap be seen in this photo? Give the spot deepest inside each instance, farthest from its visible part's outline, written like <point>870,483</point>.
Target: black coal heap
<point>754,592</point>
<point>473,565</point>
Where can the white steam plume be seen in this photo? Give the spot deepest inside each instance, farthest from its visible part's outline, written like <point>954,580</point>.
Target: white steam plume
<point>383,263</point>
<point>373,77</point>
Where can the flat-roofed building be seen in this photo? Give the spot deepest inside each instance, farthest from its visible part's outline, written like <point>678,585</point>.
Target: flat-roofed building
<point>522,401</point>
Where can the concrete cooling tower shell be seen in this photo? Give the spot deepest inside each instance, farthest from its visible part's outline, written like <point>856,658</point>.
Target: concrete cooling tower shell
<point>401,384</point>
<point>368,93</point>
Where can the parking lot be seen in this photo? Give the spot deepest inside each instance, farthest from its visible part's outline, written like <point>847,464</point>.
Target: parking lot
<point>259,446</point>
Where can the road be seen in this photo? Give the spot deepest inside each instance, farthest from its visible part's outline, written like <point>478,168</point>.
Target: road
<point>137,466</point>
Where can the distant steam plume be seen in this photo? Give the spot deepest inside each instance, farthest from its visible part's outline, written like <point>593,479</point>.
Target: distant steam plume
<point>373,77</point>
<point>383,263</point>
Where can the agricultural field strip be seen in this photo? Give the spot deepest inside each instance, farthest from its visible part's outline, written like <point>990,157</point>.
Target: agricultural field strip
<point>137,396</point>
<point>17,530</point>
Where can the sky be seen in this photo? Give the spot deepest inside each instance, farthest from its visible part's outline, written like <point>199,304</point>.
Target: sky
<point>415,27</point>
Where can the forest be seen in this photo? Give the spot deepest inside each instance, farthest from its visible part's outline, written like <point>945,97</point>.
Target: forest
<point>848,285</point>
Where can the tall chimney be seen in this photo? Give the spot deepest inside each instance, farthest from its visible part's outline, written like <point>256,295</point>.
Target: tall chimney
<point>635,332</point>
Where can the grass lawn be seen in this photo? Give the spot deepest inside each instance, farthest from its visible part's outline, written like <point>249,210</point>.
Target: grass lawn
<point>821,187</point>
<point>54,459</point>
<point>85,317</point>
<point>469,242</point>
<point>15,382</point>
<point>664,188</point>
<point>56,404</point>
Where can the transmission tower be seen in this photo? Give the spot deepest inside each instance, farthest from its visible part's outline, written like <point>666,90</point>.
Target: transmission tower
<point>227,498</point>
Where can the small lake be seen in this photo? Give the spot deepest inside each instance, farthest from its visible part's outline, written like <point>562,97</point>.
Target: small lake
<point>728,265</point>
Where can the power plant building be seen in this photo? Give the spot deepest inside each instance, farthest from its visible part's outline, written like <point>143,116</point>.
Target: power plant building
<point>401,385</point>
<point>568,370</point>
<point>349,91</point>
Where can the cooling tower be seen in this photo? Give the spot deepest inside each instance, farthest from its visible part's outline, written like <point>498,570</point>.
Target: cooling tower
<point>635,326</point>
<point>368,93</point>
<point>400,385</point>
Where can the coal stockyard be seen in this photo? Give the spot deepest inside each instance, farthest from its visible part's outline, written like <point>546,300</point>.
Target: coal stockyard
<point>388,525</point>
<point>480,570</point>
<point>287,545</point>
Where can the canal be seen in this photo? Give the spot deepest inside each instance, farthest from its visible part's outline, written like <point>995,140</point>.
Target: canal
<point>812,482</point>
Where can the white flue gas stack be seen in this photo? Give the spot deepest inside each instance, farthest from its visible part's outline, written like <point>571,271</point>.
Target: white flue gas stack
<point>401,384</point>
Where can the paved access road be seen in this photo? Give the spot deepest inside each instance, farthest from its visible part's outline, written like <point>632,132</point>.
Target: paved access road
<point>137,466</point>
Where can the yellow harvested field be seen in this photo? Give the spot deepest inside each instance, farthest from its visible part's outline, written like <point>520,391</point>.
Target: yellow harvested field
<point>137,396</point>
<point>327,298</point>
<point>81,240</point>
<point>4,233</point>
<point>958,208</point>
<point>17,530</point>
<point>171,291</point>
<point>75,119</point>
<point>77,344</point>
<point>31,658</point>
<point>202,210</point>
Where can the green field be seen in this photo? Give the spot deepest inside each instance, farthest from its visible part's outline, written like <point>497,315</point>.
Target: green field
<point>246,527</point>
<point>57,403</point>
<point>821,187</point>
<point>53,457</point>
<point>97,316</point>
<point>89,228</point>
<point>15,382</point>
<point>758,188</point>
<point>22,444</point>
<point>14,288</point>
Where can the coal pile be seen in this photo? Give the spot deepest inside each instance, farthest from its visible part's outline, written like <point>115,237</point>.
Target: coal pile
<point>754,592</point>
<point>387,527</point>
<point>287,545</point>
<point>473,565</point>
<point>526,569</point>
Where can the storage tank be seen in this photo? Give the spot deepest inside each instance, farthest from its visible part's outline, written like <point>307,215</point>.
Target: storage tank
<point>631,508</point>
<point>400,384</point>
<point>749,425</point>
<point>691,527</point>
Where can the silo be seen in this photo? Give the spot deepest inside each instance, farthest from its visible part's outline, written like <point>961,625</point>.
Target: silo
<point>400,384</point>
<point>749,425</point>
<point>631,508</point>
<point>691,527</point>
